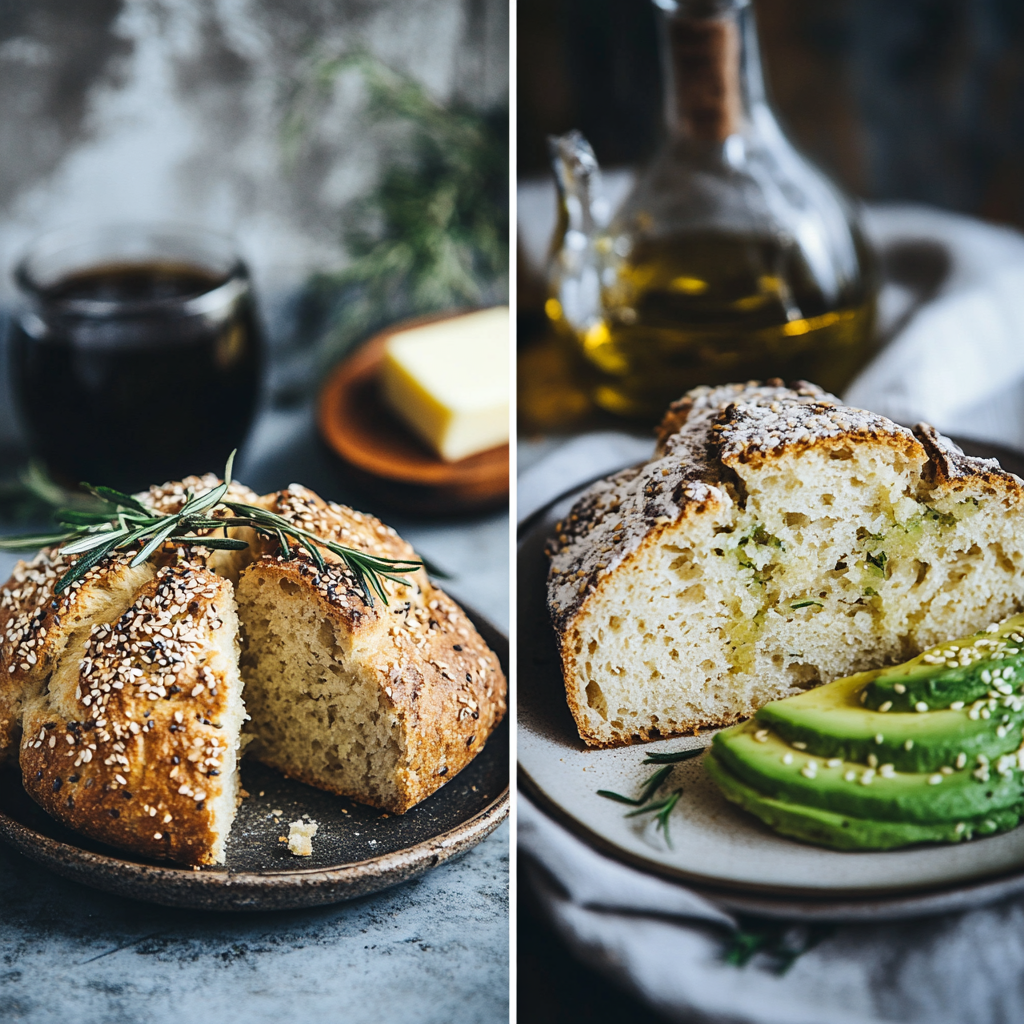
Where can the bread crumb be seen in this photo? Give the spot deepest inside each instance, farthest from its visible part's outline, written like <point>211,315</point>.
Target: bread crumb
<point>300,837</point>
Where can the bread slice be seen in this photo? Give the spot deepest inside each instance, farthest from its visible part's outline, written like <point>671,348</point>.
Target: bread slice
<point>776,540</point>
<point>381,704</point>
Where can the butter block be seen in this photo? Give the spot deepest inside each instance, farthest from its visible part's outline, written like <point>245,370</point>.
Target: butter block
<point>449,381</point>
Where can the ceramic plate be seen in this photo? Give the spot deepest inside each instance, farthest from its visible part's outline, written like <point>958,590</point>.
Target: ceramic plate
<point>382,452</point>
<point>357,850</point>
<point>716,847</point>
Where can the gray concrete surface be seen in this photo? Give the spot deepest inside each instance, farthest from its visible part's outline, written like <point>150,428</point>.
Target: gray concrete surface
<point>432,951</point>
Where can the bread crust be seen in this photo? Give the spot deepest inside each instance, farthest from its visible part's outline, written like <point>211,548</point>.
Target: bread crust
<point>432,668</point>
<point>133,755</point>
<point>691,474</point>
<point>114,694</point>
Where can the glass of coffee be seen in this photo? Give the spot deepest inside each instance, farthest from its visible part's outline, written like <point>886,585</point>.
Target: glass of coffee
<point>136,353</point>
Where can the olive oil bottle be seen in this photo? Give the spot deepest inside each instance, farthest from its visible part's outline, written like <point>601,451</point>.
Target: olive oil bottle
<point>732,257</point>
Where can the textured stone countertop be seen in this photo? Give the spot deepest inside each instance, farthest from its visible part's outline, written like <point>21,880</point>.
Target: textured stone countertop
<point>431,950</point>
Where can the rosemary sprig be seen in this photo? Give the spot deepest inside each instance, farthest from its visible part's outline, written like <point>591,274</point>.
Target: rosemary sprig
<point>661,808</point>
<point>782,943</point>
<point>651,786</point>
<point>121,521</point>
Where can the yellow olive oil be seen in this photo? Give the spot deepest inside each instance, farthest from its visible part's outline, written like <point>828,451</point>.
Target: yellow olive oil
<point>715,308</point>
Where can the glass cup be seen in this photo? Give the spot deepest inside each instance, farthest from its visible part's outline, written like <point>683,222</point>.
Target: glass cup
<point>136,353</point>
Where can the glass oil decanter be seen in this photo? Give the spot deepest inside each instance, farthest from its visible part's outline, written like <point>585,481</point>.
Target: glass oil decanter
<point>732,257</point>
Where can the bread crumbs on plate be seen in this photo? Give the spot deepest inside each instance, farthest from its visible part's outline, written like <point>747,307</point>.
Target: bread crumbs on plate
<point>300,837</point>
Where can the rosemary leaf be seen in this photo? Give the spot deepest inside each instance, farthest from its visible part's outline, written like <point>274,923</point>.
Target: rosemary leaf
<point>156,540</point>
<point>93,540</point>
<point>197,505</point>
<point>283,541</point>
<point>653,783</point>
<point>108,494</point>
<point>33,543</point>
<point>652,808</point>
<point>663,814</point>
<point>674,757</point>
<point>72,517</point>
<point>218,543</point>
<point>661,810</point>
<point>83,565</point>
<point>610,795</point>
<point>314,553</point>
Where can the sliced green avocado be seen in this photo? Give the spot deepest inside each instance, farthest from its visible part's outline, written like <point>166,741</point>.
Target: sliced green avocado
<point>766,762</point>
<point>832,722</point>
<point>960,670</point>
<point>844,832</point>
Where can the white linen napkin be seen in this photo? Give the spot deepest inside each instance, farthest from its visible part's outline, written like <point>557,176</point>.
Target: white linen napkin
<point>953,305</point>
<point>954,298</point>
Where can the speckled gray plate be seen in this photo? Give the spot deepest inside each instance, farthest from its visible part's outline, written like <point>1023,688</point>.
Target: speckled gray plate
<point>357,850</point>
<point>717,849</point>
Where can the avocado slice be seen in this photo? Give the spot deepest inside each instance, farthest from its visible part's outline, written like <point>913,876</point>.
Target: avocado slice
<point>960,670</point>
<point>831,721</point>
<point>844,832</point>
<point>763,760</point>
<point>940,759</point>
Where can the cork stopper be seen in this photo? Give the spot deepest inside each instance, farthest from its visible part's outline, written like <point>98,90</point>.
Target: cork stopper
<point>706,70</point>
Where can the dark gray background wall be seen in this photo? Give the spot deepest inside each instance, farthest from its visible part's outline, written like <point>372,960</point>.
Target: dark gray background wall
<point>899,99</point>
<point>173,109</point>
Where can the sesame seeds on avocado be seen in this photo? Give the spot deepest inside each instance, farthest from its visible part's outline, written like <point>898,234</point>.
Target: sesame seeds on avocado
<point>958,671</point>
<point>831,721</point>
<point>846,766</point>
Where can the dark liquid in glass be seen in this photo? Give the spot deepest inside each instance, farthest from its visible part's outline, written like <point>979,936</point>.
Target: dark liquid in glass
<point>146,392</point>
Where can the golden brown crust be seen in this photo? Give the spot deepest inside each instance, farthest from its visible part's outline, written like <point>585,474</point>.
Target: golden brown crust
<point>116,690</point>
<point>432,667</point>
<point>35,625</point>
<point>132,756</point>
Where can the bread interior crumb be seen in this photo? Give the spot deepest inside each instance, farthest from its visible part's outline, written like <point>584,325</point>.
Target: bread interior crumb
<point>300,837</point>
<point>317,716</point>
<point>817,564</point>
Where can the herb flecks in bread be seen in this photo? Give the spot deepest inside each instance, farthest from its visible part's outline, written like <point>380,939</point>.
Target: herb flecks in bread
<point>122,698</point>
<point>776,539</point>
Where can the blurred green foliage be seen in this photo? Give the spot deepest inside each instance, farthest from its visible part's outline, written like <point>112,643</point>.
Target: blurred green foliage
<point>433,235</point>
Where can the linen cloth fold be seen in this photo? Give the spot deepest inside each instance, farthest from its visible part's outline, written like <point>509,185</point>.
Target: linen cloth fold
<point>952,307</point>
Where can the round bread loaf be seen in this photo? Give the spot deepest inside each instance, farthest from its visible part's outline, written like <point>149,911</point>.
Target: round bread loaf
<point>776,539</point>
<point>123,700</point>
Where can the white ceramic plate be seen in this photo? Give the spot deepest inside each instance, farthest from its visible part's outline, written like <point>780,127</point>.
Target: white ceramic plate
<point>716,847</point>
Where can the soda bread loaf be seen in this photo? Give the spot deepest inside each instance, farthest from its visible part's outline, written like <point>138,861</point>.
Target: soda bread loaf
<point>123,700</point>
<point>777,539</point>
